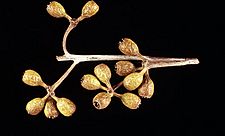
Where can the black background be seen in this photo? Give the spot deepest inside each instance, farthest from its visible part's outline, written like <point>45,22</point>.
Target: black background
<point>188,100</point>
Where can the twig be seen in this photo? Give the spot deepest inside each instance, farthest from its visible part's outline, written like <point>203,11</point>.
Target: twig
<point>153,62</point>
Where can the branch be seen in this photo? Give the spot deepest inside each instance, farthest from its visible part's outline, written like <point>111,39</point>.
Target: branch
<point>155,62</point>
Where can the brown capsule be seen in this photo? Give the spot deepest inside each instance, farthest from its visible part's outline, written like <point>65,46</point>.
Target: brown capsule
<point>146,89</point>
<point>32,78</point>
<point>103,73</point>
<point>129,47</point>
<point>131,100</point>
<point>123,68</point>
<point>89,9</point>
<point>55,9</point>
<point>65,106</point>
<point>133,81</point>
<point>35,106</point>
<point>101,100</point>
<point>50,109</point>
<point>90,82</point>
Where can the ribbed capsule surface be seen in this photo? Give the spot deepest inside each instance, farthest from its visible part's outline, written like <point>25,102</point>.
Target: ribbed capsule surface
<point>130,100</point>
<point>90,82</point>
<point>101,100</point>
<point>35,106</point>
<point>65,106</point>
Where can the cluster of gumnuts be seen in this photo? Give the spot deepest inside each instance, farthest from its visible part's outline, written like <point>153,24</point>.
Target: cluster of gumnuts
<point>134,79</point>
<point>52,104</point>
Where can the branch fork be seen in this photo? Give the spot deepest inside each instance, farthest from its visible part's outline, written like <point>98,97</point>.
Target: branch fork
<point>102,100</point>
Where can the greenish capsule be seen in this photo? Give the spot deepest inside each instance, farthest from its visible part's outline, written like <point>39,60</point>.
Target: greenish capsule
<point>129,47</point>
<point>130,100</point>
<point>123,68</point>
<point>35,106</point>
<point>101,100</point>
<point>65,106</point>
<point>103,73</point>
<point>90,82</point>
<point>133,81</point>
<point>89,9</point>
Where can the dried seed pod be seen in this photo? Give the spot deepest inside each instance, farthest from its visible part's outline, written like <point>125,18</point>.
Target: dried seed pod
<point>129,47</point>
<point>89,9</point>
<point>65,106</point>
<point>90,82</point>
<point>50,109</point>
<point>123,68</point>
<point>35,106</point>
<point>102,100</point>
<point>131,100</point>
<point>133,81</point>
<point>103,73</point>
<point>146,89</point>
<point>55,9</point>
<point>32,78</point>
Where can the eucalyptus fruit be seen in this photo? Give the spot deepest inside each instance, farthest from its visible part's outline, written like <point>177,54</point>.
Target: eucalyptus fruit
<point>50,109</point>
<point>35,106</point>
<point>32,78</point>
<point>101,100</point>
<point>146,89</point>
<point>130,100</point>
<point>65,106</point>
<point>129,47</point>
<point>55,9</point>
<point>123,68</point>
<point>90,82</point>
<point>103,73</point>
<point>89,9</point>
<point>133,81</point>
